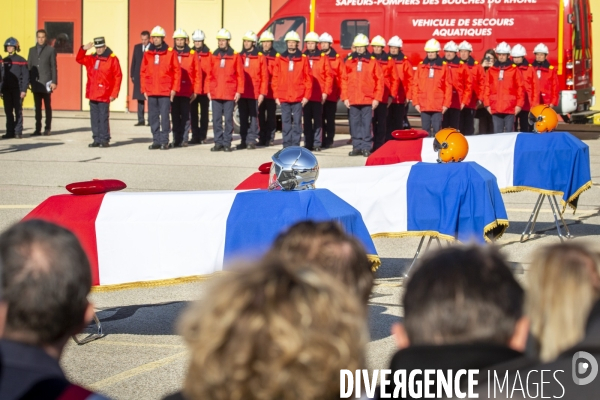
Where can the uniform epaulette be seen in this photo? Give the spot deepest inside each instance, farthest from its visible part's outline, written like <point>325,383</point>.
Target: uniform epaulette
<point>170,49</point>
<point>192,52</point>
<point>113,55</point>
<point>389,58</point>
<point>461,62</point>
<point>235,52</point>
<point>476,62</point>
<point>303,55</point>
<point>421,62</point>
<point>514,65</point>
<point>349,58</point>
<point>337,55</point>
<point>260,54</point>
<point>552,67</point>
<point>277,55</point>
<point>405,57</point>
<point>372,57</point>
<point>444,63</point>
<point>322,54</point>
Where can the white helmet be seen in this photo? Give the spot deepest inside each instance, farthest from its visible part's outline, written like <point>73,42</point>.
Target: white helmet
<point>360,40</point>
<point>224,34</point>
<point>326,38</point>
<point>503,48</point>
<point>518,51</point>
<point>451,47</point>
<point>541,48</point>
<point>266,36</point>
<point>432,45</point>
<point>180,34</point>
<point>292,36</point>
<point>395,41</point>
<point>158,31</point>
<point>250,35</point>
<point>311,37</point>
<point>464,45</point>
<point>378,41</point>
<point>198,36</point>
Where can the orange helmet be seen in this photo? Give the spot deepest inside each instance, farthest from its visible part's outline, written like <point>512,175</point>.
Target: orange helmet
<point>450,145</point>
<point>543,118</point>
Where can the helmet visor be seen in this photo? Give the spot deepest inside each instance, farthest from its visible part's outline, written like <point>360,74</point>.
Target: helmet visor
<point>281,179</point>
<point>533,119</point>
<point>437,146</point>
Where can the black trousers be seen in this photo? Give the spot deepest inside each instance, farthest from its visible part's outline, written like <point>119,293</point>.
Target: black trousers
<point>522,122</point>
<point>37,99</point>
<point>158,116</point>
<point>360,124</point>
<point>199,132</point>
<point>467,121</point>
<point>99,117</point>
<point>248,109</point>
<point>313,124</point>
<point>13,108</point>
<point>451,118</point>
<point>267,120</point>
<point>180,115</point>
<point>329,109</point>
<point>140,111</point>
<point>379,122</point>
<point>395,120</point>
<point>484,121</point>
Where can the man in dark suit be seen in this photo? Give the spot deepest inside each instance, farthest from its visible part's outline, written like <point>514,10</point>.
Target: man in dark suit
<point>136,63</point>
<point>43,77</point>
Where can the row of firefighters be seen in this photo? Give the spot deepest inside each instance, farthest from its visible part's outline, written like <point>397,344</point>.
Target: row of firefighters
<point>375,86</point>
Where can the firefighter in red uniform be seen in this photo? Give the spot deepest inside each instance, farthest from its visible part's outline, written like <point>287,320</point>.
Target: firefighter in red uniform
<point>103,84</point>
<point>255,88</point>
<point>330,105</point>
<point>191,86</point>
<point>461,86</point>
<point>467,114</point>
<point>404,70</point>
<point>546,73</point>
<point>362,88</point>
<point>267,119</point>
<point>530,83</point>
<point>391,83</point>
<point>322,82</point>
<point>504,94</point>
<point>160,80</point>
<point>203,54</point>
<point>292,85</point>
<point>225,85</point>
<point>432,88</point>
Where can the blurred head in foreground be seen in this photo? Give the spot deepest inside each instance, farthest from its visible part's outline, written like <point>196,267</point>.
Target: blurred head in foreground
<point>328,247</point>
<point>273,332</point>
<point>563,285</point>
<point>463,295</point>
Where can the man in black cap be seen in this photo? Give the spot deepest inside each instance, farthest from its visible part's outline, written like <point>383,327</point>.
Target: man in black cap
<point>14,88</point>
<point>103,85</point>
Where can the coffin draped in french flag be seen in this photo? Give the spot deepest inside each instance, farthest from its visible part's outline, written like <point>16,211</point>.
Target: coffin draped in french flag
<point>555,163</point>
<point>452,201</point>
<point>134,237</point>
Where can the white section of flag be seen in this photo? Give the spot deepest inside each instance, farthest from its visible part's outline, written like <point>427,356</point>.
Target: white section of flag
<point>496,153</point>
<point>151,236</point>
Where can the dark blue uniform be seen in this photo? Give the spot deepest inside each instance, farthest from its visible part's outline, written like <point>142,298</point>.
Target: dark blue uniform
<point>15,82</point>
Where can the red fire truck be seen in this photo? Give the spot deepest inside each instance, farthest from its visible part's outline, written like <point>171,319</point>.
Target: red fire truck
<point>563,25</point>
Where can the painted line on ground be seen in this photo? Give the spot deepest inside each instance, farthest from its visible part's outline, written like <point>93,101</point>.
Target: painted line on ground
<point>133,344</point>
<point>142,369</point>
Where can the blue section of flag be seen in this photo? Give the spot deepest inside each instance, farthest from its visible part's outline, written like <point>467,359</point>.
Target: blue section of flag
<point>258,216</point>
<point>555,161</point>
<point>455,199</point>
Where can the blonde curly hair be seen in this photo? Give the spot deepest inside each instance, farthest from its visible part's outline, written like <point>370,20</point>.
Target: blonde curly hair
<point>273,332</point>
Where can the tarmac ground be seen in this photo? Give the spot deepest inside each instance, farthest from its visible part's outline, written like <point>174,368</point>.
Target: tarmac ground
<point>142,356</point>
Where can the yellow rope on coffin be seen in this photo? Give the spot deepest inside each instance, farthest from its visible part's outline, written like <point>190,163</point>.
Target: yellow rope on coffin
<point>489,227</point>
<point>569,202</point>
<point>151,284</point>
<point>375,262</point>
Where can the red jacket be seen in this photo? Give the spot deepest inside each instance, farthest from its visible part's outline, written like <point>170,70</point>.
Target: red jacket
<point>530,85</point>
<point>226,74</point>
<point>364,86</point>
<point>256,76</point>
<point>477,82</point>
<point>191,75</point>
<point>322,80</point>
<point>203,55</point>
<point>548,82</point>
<point>431,94</point>
<point>390,76</point>
<point>292,78</point>
<point>160,72</point>
<point>404,70</point>
<point>336,63</point>
<point>270,59</point>
<point>462,83</point>
<point>103,75</point>
<point>503,95</point>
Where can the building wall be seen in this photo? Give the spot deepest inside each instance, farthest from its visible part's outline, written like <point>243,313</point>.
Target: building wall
<point>95,15</point>
<point>244,15</point>
<point>19,20</point>
<point>206,15</point>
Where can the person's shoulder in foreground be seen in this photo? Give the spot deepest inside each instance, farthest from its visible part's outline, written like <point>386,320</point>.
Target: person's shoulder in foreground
<point>46,279</point>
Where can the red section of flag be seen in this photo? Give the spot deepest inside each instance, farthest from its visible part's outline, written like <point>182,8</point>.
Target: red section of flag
<point>257,180</point>
<point>397,151</point>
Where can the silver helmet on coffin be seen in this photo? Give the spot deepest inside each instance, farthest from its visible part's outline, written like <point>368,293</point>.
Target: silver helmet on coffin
<point>293,168</point>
